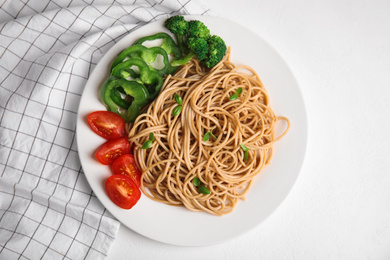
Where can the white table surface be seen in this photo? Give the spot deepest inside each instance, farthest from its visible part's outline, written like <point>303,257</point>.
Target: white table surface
<point>339,208</point>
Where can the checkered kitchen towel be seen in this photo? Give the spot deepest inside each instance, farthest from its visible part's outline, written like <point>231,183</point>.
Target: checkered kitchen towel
<point>48,49</point>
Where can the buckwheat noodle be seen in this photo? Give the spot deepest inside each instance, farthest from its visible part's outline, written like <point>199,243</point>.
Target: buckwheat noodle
<point>179,153</point>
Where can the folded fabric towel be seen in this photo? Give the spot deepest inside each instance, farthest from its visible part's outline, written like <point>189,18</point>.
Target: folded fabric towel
<point>48,49</point>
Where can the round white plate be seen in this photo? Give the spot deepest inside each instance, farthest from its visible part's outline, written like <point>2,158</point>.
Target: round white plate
<point>179,226</point>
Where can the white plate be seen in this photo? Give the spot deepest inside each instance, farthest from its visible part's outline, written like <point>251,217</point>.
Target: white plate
<point>179,226</point>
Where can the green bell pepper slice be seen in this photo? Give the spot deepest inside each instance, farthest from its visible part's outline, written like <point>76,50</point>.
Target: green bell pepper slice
<point>149,55</point>
<point>118,97</point>
<point>150,78</point>
<point>169,45</point>
<point>112,86</point>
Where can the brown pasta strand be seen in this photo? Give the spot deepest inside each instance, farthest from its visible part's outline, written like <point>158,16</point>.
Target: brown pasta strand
<point>179,154</point>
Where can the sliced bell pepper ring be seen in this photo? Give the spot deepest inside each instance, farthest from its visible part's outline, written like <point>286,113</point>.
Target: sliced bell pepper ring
<point>132,88</point>
<point>151,78</point>
<point>149,55</point>
<point>169,45</point>
<point>117,97</point>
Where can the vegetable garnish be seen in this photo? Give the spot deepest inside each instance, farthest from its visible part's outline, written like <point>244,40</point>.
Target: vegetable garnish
<point>209,49</point>
<point>196,181</point>
<point>110,91</point>
<point>246,151</point>
<point>179,27</point>
<point>126,165</point>
<point>178,99</point>
<point>122,187</point>
<point>235,95</point>
<point>108,152</point>
<point>123,191</point>
<point>168,45</point>
<point>147,144</point>
<point>207,135</point>
<point>201,188</point>
<point>176,111</point>
<point>106,124</point>
<point>127,89</point>
<point>148,55</point>
<point>149,77</point>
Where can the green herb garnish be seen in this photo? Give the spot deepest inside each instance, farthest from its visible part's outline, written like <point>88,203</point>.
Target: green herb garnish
<point>246,151</point>
<point>202,189</point>
<point>207,135</point>
<point>196,181</point>
<point>149,142</point>
<point>178,99</point>
<point>235,95</point>
<point>176,111</point>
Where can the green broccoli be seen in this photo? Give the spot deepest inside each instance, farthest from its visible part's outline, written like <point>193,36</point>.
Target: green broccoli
<point>197,47</point>
<point>217,50</point>
<point>197,29</point>
<point>179,27</point>
<point>194,39</point>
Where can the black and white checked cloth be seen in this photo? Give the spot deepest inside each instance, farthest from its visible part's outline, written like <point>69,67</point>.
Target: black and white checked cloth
<point>48,49</point>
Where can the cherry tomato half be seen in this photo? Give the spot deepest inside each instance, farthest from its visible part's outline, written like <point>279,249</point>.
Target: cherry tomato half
<point>122,191</point>
<point>108,152</point>
<point>108,125</point>
<point>126,165</point>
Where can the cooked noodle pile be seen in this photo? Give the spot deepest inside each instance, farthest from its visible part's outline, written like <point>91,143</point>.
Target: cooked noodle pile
<point>179,153</point>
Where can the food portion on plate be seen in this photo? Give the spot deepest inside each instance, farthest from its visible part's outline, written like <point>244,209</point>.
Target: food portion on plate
<point>185,125</point>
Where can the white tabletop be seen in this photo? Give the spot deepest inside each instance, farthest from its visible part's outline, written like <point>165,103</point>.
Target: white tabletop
<point>339,52</point>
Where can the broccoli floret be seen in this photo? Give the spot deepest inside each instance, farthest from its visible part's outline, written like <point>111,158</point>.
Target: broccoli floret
<point>217,50</point>
<point>198,46</point>
<point>179,27</point>
<point>194,39</point>
<point>197,29</point>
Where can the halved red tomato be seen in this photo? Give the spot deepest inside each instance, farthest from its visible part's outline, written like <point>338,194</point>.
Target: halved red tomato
<point>126,165</point>
<point>108,125</point>
<point>122,191</point>
<point>108,152</point>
